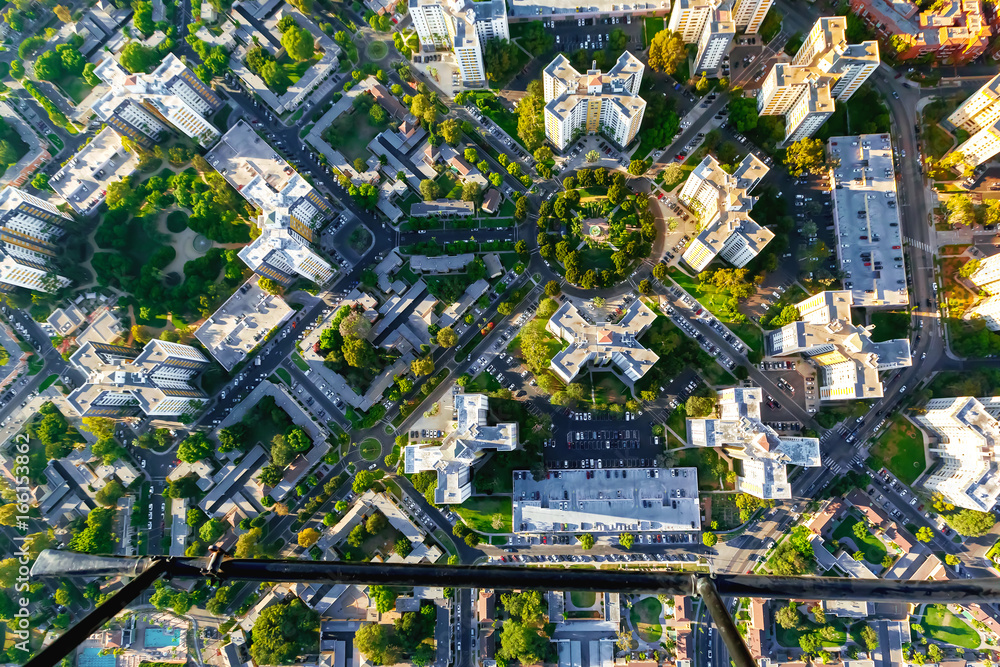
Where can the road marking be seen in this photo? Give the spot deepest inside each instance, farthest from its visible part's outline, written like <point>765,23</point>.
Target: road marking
<point>917,244</point>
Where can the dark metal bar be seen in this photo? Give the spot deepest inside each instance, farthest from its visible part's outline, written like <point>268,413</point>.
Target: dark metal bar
<point>53,654</point>
<point>738,650</point>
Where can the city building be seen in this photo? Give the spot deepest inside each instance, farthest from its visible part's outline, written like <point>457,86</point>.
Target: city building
<point>954,31</point>
<point>123,381</point>
<point>708,23</point>
<point>988,310</point>
<point>463,27</point>
<point>29,230</point>
<point>143,106</point>
<point>292,211</point>
<point>723,203</point>
<point>84,179</point>
<point>594,102</point>
<point>980,110</point>
<point>749,14</point>
<point>468,440</point>
<point>981,146</point>
<point>867,221</point>
<point>609,500</point>
<point>967,473</point>
<point>826,69</point>
<point>764,454</point>
<point>613,346</point>
<point>848,359</point>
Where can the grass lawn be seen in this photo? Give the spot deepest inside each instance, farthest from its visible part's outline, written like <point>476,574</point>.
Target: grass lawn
<point>790,638</point>
<point>944,626</point>
<point>296,70</point>
<point>704,459</point>
<point>646,619</point>
<point>300,362</point>
<point>794,43</point>
<point>284,375</point>
<point>607,388</point>
<point>937,141</point>
<point>75,88</point>
<point>596,258</point>
<point>47,382</point>
<point>446,542</point>
<point>686,170</point>
<point>370,449</point>
<point>901,450</point>
<point>583,599</point>
<point>653,25</point>
<point>890,325</point>
<point>351,135</point>
<point>871,546</point>
<point>477,513</point>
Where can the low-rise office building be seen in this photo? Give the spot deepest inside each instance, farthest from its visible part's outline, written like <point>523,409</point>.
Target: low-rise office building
<point>123,381</point>
<point>83,181</point>
<point>723,203</point>
<point>602,345</point>
<point>30,228</point>
<point>765,455</point>
<point>292,211</point>
<point>593,102</point>
<point>607,501</point>
<point>848,359</point>
<point>143,106</point>
<point>867,221</point>
<point>470,438</point>
<point>967,473</point>
<point>954,32</point>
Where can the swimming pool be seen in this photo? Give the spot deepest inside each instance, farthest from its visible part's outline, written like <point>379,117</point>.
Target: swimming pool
<point>90,658</point>
<point>160,638</point>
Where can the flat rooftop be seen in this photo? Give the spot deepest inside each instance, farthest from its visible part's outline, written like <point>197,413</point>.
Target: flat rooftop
<point>615,499</point>
<point>83,180</point>
<point>241,323</point>
<point>866,219</point>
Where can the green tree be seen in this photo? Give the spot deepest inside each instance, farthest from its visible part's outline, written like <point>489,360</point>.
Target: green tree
<point>375,642</point>
<point>429,189</point>
<point>298,43</point>
<point>709,539</point>
<point>451,131</point>
<point>137,58</point>
<point>308,537</point>
<point>788,617</point>
<point>447,337</point>
<point>925,534</point>
<point>667,51</point>
<point>971,523</point>
<point>284,631</point>
<point>363,481</point>
<point>194,448</point>
<point>586,541</point>
<point>805,155</point>
<point>742,110</point>
<point>212,530</point>
<point>626,540</point>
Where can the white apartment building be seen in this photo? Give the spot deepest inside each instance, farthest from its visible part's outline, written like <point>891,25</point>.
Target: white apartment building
<point>764,454</point>
<point>723,204</point>
<point>463,27</point>
<point>142,106</point>
<point>825,69</point>
<point>714,43</point>
<point>981,110</point>
<point>123,381</point>
<point>982,145</point>
<point>709,24</point>
<point>29,230</point>
<point>749,14</point>
<point>967,473</point>
<point>594,102</point>
<point>292,211</point>
<point>987,274</point>
<point>467,441</point>
<point>988,310</point>
<point>848,359</point>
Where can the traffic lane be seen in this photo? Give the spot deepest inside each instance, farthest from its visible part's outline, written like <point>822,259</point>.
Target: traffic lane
<point>327,406</point>
<point>444,235</point>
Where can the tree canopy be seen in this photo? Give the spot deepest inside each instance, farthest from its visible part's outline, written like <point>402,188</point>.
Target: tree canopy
<point>284,631</point>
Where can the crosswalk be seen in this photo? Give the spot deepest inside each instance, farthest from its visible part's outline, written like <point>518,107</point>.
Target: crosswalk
<point>917,244</point>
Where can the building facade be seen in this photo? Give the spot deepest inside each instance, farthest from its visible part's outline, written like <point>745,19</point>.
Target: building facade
<point>979,115</point>
<point>123,381</point>
<point>591,103</point>
<point>749,14</point>
<point>955,32</point>
<point>710,24</point>
<point>723,203</point>
<point>143,106</point>
<point>29,230</point>
<point>825,69</point>
<point>967,474</point>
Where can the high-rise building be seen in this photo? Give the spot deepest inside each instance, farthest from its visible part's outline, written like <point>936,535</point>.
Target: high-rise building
<point>292,211</point>
<point>764,454</point>
<point>124,382</point>
<point>142,106</point>
<point>954,32</point>
<point>463,27</point>
<point>980,110</point>
<point>981,146</point>
<point>967,472</point>
<point>723,203</point>
<point>749,14</point>
<point>987,274</point>
<point>825,68</point>
<point>594,102</point>
<point>848,359</point>
<point>987,310</point>
<point>29,229</point>
<point>709,24</point>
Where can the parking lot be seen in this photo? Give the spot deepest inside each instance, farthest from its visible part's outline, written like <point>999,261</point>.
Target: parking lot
<point>595,33</point>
